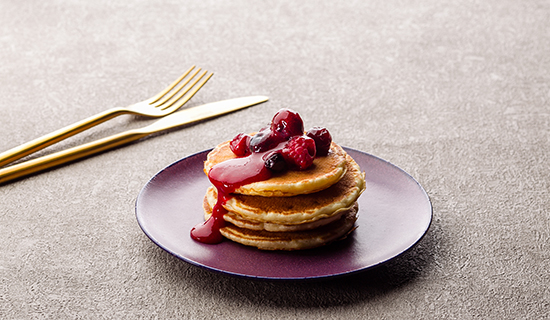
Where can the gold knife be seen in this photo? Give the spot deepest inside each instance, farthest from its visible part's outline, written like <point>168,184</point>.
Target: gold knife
<point>174,120</point>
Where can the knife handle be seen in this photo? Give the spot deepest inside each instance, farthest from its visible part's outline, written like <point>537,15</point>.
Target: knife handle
<point>56,136</point>
<point>56,159</point>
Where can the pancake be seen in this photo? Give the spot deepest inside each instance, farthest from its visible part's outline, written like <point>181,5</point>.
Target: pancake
<point>300,209</point>
<point>326,171</point>
<point>241,222</point>
<point>298,240</point>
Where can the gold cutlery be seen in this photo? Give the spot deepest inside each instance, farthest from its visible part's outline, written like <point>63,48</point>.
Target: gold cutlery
<point>165,102</point>
<point>174,120</point>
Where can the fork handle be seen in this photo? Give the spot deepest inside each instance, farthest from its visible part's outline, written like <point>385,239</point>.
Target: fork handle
<point>55,159</point>
<point>58,135</point>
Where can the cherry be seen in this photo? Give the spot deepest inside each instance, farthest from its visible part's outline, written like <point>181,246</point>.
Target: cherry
<point>322,139</point>
<point>287,123</point>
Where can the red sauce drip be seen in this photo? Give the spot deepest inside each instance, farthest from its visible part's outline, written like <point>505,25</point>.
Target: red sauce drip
<point>226,177</point>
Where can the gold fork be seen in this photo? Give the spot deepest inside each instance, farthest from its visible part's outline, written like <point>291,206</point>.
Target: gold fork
<point>162,104</point>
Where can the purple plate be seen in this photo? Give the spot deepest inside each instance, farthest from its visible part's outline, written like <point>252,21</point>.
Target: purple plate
<point>394,213</point>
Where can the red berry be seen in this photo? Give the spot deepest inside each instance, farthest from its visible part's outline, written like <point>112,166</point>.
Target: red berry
<point>264,140</point>
<point>322,139</point>
<point>240,145</point>
<point>299,152</point>
<point>287,123</point>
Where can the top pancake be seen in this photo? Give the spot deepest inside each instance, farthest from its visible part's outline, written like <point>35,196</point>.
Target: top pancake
<point>324,172</point>
<point>299,209</point>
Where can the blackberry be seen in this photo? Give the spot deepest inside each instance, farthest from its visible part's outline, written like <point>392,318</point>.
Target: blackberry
<point>264,140</point>
<point>275,162</point>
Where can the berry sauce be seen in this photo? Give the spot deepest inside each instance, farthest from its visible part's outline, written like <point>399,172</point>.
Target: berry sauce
<point>226,177</point>
<point>270,150</point>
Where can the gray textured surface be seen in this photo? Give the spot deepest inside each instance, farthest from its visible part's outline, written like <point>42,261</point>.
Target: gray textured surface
<point>454,92</point>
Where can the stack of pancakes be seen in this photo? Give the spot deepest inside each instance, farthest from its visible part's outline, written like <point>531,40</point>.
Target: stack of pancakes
<point>295,209</point>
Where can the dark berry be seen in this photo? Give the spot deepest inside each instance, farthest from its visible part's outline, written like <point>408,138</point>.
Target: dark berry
<point>299,152</point>
<point>287,123</point>
<point>275,162</point>
<point>322,139</point>
<point>264,140</point>
<point>240,145</point>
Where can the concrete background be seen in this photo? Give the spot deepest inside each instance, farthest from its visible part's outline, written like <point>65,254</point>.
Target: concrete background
<point>455,93</point>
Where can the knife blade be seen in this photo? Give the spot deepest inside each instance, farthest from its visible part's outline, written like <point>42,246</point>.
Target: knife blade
<point>203,112</point>
<point>174,120</point>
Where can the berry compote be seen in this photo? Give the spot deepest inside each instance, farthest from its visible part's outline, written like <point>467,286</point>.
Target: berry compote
<point>281,146</point>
